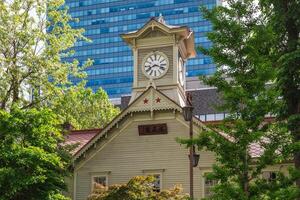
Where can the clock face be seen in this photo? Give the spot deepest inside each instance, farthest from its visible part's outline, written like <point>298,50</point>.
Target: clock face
<point>155,65</point>
<point>181,72</point>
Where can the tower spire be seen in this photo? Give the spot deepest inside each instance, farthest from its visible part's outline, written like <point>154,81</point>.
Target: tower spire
<point>161,19</point>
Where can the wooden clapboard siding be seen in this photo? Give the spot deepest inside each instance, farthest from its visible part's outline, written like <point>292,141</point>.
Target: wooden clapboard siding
<point>129,154</point>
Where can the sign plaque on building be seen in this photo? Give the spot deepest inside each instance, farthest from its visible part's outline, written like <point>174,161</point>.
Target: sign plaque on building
<point>153,129</point>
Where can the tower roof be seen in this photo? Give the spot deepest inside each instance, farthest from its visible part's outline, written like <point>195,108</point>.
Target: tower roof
<point>181,32</point>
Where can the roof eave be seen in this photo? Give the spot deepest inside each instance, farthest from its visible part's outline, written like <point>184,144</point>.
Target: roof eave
<point>128,37</point>
<point>94,139</point>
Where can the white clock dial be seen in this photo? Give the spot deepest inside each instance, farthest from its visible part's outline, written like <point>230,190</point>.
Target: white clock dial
<point>181,71</point>
<point>155,65</point>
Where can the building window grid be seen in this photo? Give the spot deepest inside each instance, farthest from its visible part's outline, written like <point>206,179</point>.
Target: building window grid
<point>126,49</point>
<point>212,117</point>
<point>196,66</point>
<point>129,7</point>
<point>113,69</point>
<point>189,9</point>
<point>93,82</point>
<point>183,20</point>
<point>118,42</point>
<point>109,70</point>
<point>132,16</point>
<point>218,117</point>
<point>117,39</point>
<point>129,68</point>
<point>109,60</point>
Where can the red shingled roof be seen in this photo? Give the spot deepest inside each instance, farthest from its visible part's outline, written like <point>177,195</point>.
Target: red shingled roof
<point>80,137</point>
<point>256,150</point>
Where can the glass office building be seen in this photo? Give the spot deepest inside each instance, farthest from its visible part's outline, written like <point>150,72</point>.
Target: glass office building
<point>105,20</point>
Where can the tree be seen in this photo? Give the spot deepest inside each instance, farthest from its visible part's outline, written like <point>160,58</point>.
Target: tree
<point>34,37</point>
<point>241,51</point>
<point>32,163</point>
<point>84,109</point>
<point>284,21</point>
<point>138,188</point>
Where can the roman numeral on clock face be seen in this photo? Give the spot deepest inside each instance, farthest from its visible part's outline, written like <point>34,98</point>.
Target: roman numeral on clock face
<point>155,65</point>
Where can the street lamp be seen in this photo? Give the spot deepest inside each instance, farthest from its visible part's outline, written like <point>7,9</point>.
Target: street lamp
<point>195,158</point>
<point>187,112</point>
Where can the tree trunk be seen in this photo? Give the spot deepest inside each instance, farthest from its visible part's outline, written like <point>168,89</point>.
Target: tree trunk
<point>246,175</point>
<point>290,85</point>
<point>15,92</point>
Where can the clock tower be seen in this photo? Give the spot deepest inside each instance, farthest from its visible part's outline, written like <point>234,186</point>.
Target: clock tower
<point>160,52</point>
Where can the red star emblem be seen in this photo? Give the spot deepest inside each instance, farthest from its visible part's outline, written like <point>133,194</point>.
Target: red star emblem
<point>145,101</point>
<point>157,100</point>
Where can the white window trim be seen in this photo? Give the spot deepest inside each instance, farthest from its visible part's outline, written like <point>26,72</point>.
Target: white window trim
<point>203,180</point>
<point>151,172</point>
<point>94,175</point>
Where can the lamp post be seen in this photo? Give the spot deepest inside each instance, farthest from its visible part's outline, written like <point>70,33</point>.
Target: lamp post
<point>193,157</point>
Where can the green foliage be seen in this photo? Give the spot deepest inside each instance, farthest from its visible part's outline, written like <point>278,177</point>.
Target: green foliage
<point>31,48</point>
<point>241,51</point>
<point>35,36</point>
<point>84,109</point>
<point>284,21</point>
<point>31,64</point>
<point>32,164</point>
<point>138,188</point>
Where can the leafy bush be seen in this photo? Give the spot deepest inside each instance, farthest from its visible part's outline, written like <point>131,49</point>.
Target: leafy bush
<point>138,188</point>
<point>32,163</point>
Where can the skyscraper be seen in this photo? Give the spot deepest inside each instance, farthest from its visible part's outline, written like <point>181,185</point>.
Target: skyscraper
<point>105,20</point>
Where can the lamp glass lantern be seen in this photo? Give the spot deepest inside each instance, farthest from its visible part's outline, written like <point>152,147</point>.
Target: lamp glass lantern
<point>187,112</point>
<point>195,159</point>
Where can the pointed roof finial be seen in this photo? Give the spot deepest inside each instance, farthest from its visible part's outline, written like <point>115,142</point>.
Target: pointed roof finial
<point>161,19</point>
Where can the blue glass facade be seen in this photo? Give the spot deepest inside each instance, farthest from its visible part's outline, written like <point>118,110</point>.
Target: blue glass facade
<point>105,20</point>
